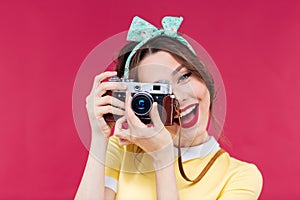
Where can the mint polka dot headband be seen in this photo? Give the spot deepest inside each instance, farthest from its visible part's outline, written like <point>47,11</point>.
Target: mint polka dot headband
<point>142,31</point>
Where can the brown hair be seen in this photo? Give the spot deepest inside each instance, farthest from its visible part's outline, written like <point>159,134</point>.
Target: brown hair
<point>179,51</point>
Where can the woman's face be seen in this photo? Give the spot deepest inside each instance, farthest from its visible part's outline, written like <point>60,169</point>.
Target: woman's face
<point>191,93</point>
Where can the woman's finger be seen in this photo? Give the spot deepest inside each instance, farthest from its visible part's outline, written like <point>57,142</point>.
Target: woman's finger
<point>155,117</point>
<point>109,100</point>
<point>101,77</point>
<point>119,123</point>
<point>120,132</point>
<point>123,142</point>
<point>132,119</point>
<point>105,86</point>
<point>100,111</point>
<point>106,130</point>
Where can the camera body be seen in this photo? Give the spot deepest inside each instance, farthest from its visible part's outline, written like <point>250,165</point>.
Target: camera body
<point>143,97</point>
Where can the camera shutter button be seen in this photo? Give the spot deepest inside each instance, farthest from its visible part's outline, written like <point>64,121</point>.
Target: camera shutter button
<point>137,87</point>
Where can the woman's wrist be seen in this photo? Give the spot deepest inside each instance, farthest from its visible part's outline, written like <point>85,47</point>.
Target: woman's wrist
<point>98,146</point>
<point>163,157</point>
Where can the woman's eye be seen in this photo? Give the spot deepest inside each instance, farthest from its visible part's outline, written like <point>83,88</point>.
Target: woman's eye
<point>184,76</point>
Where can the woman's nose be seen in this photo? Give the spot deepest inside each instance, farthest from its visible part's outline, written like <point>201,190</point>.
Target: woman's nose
<point>180,94</point>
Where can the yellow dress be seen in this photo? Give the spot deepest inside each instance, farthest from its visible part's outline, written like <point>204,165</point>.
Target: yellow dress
<point>132,176</point>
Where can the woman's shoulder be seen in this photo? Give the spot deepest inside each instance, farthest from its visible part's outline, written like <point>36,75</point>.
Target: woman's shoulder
<point>239,165</point>
<point>244,177</point>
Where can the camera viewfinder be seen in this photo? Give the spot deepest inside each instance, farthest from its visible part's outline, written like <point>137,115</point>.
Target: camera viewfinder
<point>156,87</point>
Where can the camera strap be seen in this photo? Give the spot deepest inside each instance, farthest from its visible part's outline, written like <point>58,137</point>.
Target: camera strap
<point>206,168</point>
<point>203,172</point>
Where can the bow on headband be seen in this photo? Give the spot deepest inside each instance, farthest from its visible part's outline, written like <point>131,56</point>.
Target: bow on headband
<point>142,31</point>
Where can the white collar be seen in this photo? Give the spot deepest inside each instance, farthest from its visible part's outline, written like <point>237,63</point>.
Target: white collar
<point>201,150</point>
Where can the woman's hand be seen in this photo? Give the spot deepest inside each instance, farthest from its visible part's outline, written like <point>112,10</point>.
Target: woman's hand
<point>153,139</point>
<point>97,105</point>
<point>92,185</point>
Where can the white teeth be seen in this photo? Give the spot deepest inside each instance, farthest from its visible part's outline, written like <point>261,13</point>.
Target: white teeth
<point>186,112</point>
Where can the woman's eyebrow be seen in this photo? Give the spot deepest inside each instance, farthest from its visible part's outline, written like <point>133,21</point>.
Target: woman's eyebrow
<point>177,70</point>
<point>173,73</point>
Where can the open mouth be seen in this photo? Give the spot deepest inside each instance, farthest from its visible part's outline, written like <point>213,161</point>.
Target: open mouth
<point>188,116</point>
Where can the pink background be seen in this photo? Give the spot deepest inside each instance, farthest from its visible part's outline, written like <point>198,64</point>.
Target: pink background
<point>255,44</point>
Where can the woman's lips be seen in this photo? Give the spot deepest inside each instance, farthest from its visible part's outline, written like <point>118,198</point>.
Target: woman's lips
<point>191,118</point>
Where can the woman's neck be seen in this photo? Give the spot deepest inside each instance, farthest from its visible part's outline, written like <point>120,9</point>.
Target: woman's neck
<point>188,142</point>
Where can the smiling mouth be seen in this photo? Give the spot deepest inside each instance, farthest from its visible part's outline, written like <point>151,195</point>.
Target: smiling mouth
<point>188,116</point>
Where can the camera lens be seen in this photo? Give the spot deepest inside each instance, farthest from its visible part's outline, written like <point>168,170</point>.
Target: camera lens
<point>141,103</point>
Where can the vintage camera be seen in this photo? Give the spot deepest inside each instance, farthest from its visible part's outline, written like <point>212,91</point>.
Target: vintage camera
<point>143,96</point>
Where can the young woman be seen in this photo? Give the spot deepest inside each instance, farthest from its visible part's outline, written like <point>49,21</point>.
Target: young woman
<point>140,161</point>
